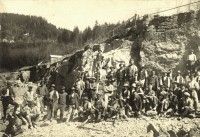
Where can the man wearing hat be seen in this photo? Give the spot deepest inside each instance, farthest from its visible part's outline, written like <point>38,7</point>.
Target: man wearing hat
<point>142,75</point>
<point>108,91</point>
<point>153,79</point>
<point>92,89</point>
<point>179,78</point>
<point>42,93</point>
<point>85,110</point>
<point>187,105</point>
<point>111,74</point>
<point>98,107</point>
<point>29,96</point>
<point>8,97</point>
<point>62,101</point>
<point>73,104</point>
<point>120,75</point>
<point>53,97</point>
<point>166,80</point>
<point>31,113</point>
<point>151,101</point>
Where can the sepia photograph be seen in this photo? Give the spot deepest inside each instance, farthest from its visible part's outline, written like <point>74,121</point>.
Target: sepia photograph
<point>99,68</point>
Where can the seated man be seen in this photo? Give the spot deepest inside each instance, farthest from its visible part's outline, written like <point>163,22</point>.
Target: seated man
<point>14,126</point>
<point>163,102</point>
<point>137,104</point>
<point>8,98</point>
<point>98,107</point>
<point>187,105</point>
<point>85,110</point>
<point>173,103</point>
<point>32,114</point>
<point>151,101</point>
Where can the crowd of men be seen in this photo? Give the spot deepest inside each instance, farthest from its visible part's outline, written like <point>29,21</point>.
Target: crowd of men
<point>125,92</point>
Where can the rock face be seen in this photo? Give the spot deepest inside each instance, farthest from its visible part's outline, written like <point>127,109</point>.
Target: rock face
<point>168,41</point>
<point>161,43</point>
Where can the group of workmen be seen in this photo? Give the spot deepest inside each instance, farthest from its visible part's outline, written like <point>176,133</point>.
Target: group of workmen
<point>125,92</point>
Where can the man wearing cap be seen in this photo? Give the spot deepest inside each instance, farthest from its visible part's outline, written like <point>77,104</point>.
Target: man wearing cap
<point>29,96</point>
<point>62,101</point>
<point>73,104</point>
<point>31,113</point>
<point>42,93</point>
<point>187,105</point>
<point>8,97</point>
<point>53,97</point>
<point>126,98</point>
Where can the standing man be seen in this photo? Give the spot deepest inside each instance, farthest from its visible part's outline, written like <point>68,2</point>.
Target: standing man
<point>179,78</point>
<point>53,101</point>
<point>29,96</point>
<point>191,60</point>
<point>153,80</point>
<point>132,69</point>
<point>73,104</point>
<point>120,74</point>
<point>80,86</point>
<point>42,93</point>
<point>62,101</point>
<point>8,97</point>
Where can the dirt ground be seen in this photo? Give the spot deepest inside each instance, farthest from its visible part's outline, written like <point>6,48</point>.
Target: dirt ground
<point>133,127</point>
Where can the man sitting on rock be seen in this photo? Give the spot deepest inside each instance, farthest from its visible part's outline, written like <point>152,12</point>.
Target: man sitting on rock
<point>151,101</point>
<point>31,113</point>
<point>98,107</point>
<point>187,105</point>
<point>85,110</point>
<point>8,97</point>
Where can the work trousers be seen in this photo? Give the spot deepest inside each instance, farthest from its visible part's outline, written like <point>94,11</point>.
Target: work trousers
<point>5,102</point>
<point>60,107</point>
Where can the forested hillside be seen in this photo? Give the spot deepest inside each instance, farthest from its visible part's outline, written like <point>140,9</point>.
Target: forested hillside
<point>27,40</point>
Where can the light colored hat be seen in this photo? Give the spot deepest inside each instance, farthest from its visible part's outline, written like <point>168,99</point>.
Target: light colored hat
<point>30,85</point>
<point>187,94</point>
<point>126,85</point>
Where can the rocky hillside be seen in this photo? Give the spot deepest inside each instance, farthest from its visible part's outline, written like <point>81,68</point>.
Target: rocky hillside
<point>161,43</point>
<point>169,39</point>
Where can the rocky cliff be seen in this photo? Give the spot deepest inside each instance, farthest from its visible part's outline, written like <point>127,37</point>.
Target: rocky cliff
<point>160,43</point>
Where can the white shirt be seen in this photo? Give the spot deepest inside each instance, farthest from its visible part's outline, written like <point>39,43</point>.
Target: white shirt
<point>192,57</point>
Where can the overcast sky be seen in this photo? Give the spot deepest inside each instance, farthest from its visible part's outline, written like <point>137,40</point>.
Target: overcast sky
<point>83,13</point>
